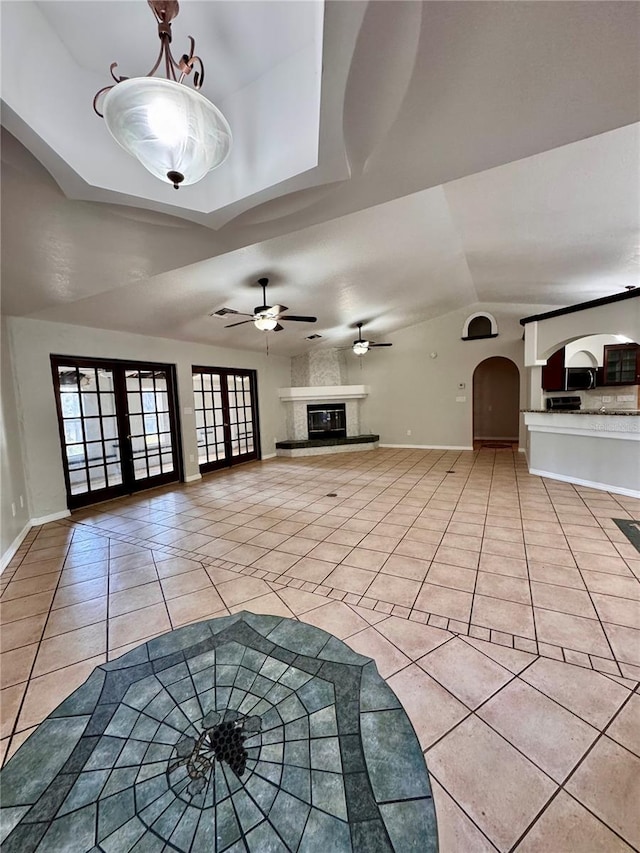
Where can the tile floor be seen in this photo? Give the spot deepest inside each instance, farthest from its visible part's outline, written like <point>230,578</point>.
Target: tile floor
<point>503,609</point>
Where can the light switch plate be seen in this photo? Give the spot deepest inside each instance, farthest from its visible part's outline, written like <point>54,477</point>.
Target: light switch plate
<point>461,399</point>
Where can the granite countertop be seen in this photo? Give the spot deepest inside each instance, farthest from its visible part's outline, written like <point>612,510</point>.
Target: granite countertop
<point>633,412</point>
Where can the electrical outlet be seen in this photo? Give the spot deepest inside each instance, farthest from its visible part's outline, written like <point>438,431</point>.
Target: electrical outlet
<point>461,399</point>
<point>408,432</point>
<point>606,399</point>
<point>13,510</point>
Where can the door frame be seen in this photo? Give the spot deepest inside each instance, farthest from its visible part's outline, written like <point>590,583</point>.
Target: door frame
<point>230,460</point>
<point>128,486</point>
<point>473,399</point>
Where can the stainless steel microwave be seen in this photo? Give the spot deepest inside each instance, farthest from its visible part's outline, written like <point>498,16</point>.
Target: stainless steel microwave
<point>580,378</point>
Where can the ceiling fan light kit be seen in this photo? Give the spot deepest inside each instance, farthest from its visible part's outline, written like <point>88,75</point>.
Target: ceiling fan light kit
<point>265,317</point>
<point>361,346</point>
<point>174,131</point>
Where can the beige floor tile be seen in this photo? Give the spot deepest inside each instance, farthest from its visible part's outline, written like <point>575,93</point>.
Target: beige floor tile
<point>625,728</point>
<point>453,577</point>
<point>608,784</point>
<point>330,552</point>
<point>300,601</point>
<point>270,605</point>
<point>148,622</point>
<point>608,584</point>
<point>549,735</point>
<point>406,567</point>
<point>394,590</point>
<point>29,571</point>
<point>370,643</point>
<point>133,577</point>
<point>499,615</point>
<point>619,611</point>
<point>503,549</point>
<point>456,833</point>
<point>10,699</point>
<point>558,575</point>
<point>297,545</point>
<point>15,665</point>
<point>504,587</point>
<point>625,643</point>
<point>76,616</point>
<point>308,569</point>
<point>588,694</point>
<point>565,825</point>
<point>412,638</point>
<point>599,563</point>
<point>471,676</point>
<point>22,608</point>
<point>419,532</point>
<point>135,598</point>
<point>21,633</point>
<point>350,579</point>
<point>460,540</point>
<point>563,598</point>
<point>241,589</point>
<point>501,795</point>
<point>419,550</point>
<point>432,710</point>
<point>276,561</point>
<point>363,558</point>
<point>79,574</point>
<point>78,592</point>
<point>512,659</point>
<point>336,618</point>
<point>185,582</point>
<point>131,561</point>
<point>86,557</point>
<point>452,603</point>
<point>386,544</point>
<point>457,557</point>
<point>47,691</point>
<point>503,565</point>
<point>31,586</point>
<point>166,565</point>
<point>69,648</point>
<point>592,546</point>
<point>245,554</point>
<point>572,632</point>
<point>218,547</point>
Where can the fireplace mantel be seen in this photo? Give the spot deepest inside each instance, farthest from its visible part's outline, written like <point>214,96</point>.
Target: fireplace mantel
<point>323,393</point>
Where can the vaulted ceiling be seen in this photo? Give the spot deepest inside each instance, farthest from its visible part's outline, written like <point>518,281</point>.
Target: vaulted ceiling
<point>392,161</point>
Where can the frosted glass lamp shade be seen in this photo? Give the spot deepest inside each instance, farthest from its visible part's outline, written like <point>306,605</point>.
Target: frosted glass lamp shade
<point>361,347</point>
<point>174,131</point>
<point>265,324</point>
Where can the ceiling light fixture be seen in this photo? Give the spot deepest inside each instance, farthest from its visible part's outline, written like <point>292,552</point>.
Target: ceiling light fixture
<point>174,131</point>
<point>265,323</point>
<point>361,347</point>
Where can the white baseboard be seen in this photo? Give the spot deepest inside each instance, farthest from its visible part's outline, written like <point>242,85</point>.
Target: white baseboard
<point>268,456</point>
<point>11,550</point>
<point>45,519</point>
<point>604,487</point>
<point>428,446</point>
<point>192,478</point>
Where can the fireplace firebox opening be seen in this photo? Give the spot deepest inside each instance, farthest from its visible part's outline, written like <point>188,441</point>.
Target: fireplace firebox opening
<point>327,420</point>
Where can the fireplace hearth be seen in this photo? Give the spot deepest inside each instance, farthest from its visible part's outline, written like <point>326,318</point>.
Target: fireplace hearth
<point>327,420</point>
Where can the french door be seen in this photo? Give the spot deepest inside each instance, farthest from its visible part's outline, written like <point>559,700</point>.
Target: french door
<point>226,411</point>
<point>118,426</point>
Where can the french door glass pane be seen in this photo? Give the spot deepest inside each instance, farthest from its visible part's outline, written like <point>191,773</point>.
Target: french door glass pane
<point>150,430</point>
<point>209,418</point>
<point>90,438</point>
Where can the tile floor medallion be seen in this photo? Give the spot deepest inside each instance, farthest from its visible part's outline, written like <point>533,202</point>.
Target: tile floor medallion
<point>244,732</point>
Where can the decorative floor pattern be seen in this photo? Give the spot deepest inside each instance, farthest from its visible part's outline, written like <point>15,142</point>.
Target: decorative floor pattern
<point>241,733</point>
<point>532,742</point>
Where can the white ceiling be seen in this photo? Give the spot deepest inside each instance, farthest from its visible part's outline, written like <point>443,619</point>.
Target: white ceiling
<point>467,152</point>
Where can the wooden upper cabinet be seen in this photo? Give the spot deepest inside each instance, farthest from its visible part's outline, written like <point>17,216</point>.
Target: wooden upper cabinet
<point>622,364</point>
<point>553,372</point>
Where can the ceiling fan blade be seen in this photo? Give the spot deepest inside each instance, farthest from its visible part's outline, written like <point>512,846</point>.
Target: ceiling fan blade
<point>278,309</point>
<point>371,344</point>
<point>278,328</point>
<point>241,323</point>
<point>299,319</point>
<point>222,312</point>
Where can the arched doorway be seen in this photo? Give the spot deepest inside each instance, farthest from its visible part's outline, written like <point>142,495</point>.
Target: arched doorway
<point>496,401</point>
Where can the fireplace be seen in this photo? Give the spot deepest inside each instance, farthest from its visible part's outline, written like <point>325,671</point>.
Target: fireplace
<point>327,420</point>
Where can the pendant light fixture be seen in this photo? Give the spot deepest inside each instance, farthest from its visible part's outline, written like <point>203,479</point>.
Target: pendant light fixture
<point>173,130</point>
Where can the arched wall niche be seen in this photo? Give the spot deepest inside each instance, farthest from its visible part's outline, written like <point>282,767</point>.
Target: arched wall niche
<point>479,326</point>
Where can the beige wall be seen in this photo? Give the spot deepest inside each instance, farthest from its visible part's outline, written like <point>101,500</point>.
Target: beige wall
<point>11,468</point>
<point>32,342</point>
<point>412,391</point>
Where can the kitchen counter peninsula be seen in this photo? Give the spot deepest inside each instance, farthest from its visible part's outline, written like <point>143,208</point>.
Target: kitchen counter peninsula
<point>588,447</point>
